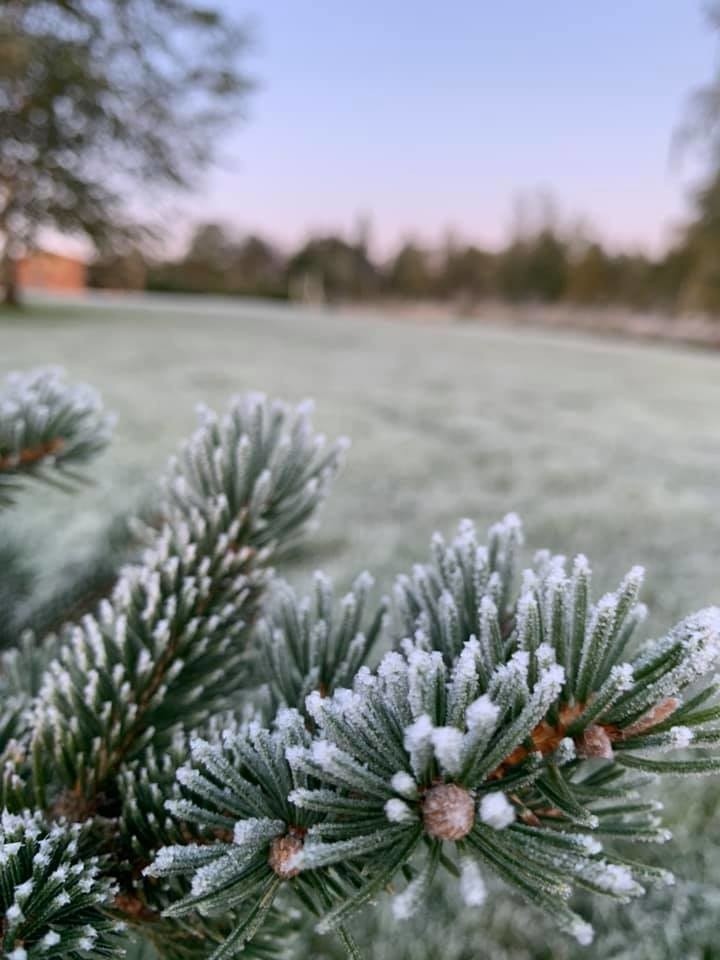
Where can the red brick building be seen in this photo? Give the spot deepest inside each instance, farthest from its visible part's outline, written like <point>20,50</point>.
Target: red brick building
<point>52,271</point>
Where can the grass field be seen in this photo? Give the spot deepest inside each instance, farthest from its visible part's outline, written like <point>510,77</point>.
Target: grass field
<point>602,446</point>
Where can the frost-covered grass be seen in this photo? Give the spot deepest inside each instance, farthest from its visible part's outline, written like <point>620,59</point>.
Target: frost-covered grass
<point>607,448</point>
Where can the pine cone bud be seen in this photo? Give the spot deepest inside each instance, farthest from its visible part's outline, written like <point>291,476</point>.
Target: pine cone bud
<point>448,812</point>
<point>595,742</point>
<point>282,851</point>
<point>72,805</point>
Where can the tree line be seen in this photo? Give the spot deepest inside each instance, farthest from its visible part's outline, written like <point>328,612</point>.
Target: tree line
<point>100,100</point>
<point>543,262</point>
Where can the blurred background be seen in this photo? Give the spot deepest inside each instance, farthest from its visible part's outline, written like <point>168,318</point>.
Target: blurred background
<point>484,237</point>
<point>469,160</point>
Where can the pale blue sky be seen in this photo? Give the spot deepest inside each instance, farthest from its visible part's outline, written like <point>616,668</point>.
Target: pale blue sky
<point>434,115</point>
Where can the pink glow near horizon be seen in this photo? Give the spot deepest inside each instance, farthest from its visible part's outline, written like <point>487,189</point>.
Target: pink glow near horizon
<point>427,120</point>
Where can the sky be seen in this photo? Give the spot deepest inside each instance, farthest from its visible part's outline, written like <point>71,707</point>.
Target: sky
<point>428,117</point>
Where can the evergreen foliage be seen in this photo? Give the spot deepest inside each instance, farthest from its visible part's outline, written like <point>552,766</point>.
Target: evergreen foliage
<point>53,901</point>
<point>307,645</point>
<point>47,427</point>
<point>212,759</point>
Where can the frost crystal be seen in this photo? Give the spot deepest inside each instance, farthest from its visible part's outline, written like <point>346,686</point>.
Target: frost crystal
<point>496,811</point>
<point>447,743</point>
<point>623,677</point>
<point>566,751</point>
<point>323,752</point>
<point>681,737</point>
<point>582,932</point>
<point>404,784</point>
<point>472,885</point>
<point>619,880</point>
<point>397,811</point>
<point>418,742</point>
<point>482,714</point>
<point>405,904</point>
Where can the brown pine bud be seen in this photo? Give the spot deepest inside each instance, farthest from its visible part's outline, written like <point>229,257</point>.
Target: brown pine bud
<point>133,906</point>
<point>595,742</point>
<point>448,811</point>
<point>530,818</point>
<point>73,806</point>
<point>655,715</point>
<point>282,851</point>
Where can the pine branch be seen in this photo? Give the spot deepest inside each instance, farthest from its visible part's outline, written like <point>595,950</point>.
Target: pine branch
<point>21,671</point>
<point>312,644</point>
<point>147,787</point>
<point>456,596</point>
<point>54,902</point>
<point>487,746</point>
<point>239,791</point>
<point>171,645</point>
<point>511,731</point>
<point>47,427</point>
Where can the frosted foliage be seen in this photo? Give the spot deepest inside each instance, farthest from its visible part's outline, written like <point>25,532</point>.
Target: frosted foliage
<point>47,424</point>
<point>424,669</point>
<point>491,713</point>
<point>243,482</point>
<point>311,644</point>
<point>47,891</point>
<point>255,832</point>
<point>32,403</point>
<point>261,456</point>
<point>512,723</point>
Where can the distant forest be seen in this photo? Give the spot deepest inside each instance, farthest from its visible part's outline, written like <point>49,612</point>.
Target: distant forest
<point>542,263</point>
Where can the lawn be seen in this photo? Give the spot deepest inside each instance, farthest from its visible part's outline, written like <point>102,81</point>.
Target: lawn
<point>607,447</point>
<point>602,446</point>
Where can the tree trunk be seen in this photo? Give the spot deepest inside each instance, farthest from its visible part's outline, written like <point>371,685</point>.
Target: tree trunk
<point>9,281</point>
